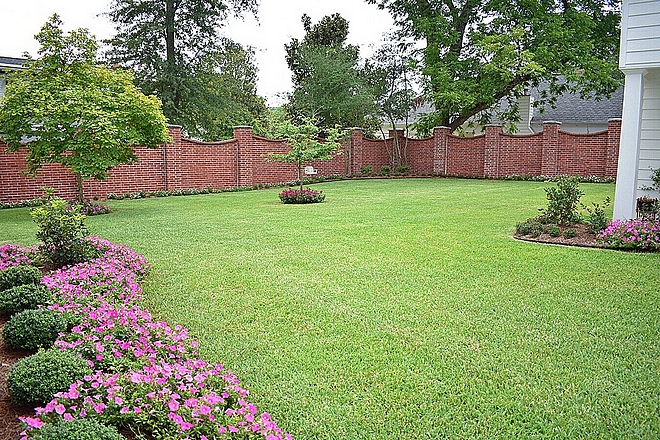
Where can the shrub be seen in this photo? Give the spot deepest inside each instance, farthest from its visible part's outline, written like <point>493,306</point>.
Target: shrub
<point>62,231</point>
<point>32,329</point>
<point>368,169</point>
<point>297,196</point>
<point>563,201</point>
<point>402,169</point>
<point>385,170</point>
<point>89,208</point>
<point>570,233</point>
<point>553,230</point>
<point>19,275</point>
<point>25,297</point>
<point>37,378</point>
<point>77,429</point>
<point>641,234</point>
<point>531,226</point>
<point>595,217</point>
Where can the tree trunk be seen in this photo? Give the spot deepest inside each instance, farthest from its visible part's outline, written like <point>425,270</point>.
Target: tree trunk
<point>170,60</point>
<point>80,196</point>
<point>300,175</point>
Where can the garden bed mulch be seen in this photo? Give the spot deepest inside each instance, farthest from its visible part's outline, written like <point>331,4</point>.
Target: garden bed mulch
<point>584,238</point>
<point>10,427</point>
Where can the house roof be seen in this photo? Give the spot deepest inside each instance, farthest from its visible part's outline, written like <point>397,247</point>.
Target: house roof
<point>10,63</point>
<point>571,108</point>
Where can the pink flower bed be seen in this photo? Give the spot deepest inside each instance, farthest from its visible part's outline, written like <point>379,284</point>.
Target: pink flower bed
<point>147,376</point>
<point>640,234</point>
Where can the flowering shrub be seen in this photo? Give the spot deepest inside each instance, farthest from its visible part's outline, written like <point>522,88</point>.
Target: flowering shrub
<point>147,375</point>
<point>90,208</point>
<point>188,399</point>
<point>307,195</point>
<point>118,339</point>
<point>13,255</point>
<point>641,234</point>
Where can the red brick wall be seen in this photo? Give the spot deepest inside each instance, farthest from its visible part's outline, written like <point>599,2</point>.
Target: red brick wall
<point>465,156</point>
<point>241,161</point>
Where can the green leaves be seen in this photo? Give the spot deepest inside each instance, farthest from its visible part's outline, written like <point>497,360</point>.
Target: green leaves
<point>207,83</point>
<point>478,52</point>
<point>67,110</point>
<point>305,144</point>
<point>328,85</point>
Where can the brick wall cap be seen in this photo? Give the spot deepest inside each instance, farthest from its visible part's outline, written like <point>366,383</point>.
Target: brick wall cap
<point>356,129</point>
<point>551,123</point>
<point>442,127</point>
<point>242,126</point>
<point>614,120</point>
<point>174,126</point>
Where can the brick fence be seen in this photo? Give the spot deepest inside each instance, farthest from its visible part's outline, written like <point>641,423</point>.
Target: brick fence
<point>187,164</point>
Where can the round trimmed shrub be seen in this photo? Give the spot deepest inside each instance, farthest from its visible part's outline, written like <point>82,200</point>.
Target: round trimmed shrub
<point>37,378</point>
<point>32,329</point>
<point>78,429</point>
<point>18,276</point>
<point>25,297</point>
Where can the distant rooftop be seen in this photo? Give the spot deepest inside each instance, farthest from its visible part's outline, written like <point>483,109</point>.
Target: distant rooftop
<point>571,108</point>
<point>11,63</point>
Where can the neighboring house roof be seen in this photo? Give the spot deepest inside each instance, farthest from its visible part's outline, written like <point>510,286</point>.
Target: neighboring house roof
<point>571,108</point>
<point>10,63</point>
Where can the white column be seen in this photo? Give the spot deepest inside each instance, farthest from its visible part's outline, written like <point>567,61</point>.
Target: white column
<point>626,175</point>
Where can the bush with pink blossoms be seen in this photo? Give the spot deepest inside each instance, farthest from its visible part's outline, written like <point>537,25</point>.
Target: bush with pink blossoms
<point>14,255</point>
<point>120,338</point>
<point>171,400</point>
<point>640,234</point>
<point>300,196</point>
<point>147,375</point>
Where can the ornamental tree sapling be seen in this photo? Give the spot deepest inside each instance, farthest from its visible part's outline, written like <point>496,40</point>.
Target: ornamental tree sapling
<point>305,144</point>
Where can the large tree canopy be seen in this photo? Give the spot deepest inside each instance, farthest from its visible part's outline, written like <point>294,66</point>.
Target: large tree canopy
<point>328,84</point>
<point>66,109</point>
<point>176,51</point>
<point>477,52</point>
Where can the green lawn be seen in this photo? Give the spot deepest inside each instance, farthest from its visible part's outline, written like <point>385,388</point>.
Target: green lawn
<point>403,309</point>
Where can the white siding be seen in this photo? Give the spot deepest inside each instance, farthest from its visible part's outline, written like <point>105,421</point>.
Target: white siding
<point>2,87</point>
<point>649,145</point>
<point>640,34</point>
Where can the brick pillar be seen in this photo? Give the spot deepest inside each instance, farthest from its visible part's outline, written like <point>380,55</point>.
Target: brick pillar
<point>492,151</point>
<point>613,139</point>
<point>244,155</point>
<point>550,151</point>
<point>440,151</point>
<point>172,158</point>
<point>355,151</point>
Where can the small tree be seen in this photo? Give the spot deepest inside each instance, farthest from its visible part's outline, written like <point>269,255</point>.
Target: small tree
<point>65,109</point>
<point>391,75</point>
<point>305,144</point>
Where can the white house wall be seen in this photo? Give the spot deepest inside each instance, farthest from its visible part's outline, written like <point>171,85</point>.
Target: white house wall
<point>639,59</point>
<point>649,143</point>
<point>640,34</point>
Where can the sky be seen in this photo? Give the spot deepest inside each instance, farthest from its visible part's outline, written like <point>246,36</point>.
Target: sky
<point>277,22</point>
